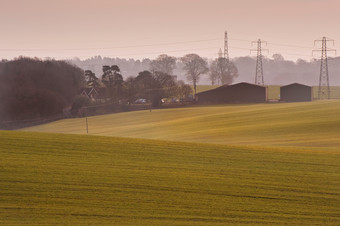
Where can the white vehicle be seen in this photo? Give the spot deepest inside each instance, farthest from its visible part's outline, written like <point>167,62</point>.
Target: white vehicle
<point>140,101</point>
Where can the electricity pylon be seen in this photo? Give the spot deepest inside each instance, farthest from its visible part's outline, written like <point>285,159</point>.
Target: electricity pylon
<point>226,53</point>
<point>324,91</point>
<point>220,54</point>
<point>259,68</point>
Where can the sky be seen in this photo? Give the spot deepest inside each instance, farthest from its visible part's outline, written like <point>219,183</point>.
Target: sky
<point>64,29</point>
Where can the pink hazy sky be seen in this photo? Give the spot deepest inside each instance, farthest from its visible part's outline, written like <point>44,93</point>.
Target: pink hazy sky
<point>147,28</point>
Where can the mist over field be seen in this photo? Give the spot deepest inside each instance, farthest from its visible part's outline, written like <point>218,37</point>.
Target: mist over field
<point>277,70</point>
<point>170,112</point>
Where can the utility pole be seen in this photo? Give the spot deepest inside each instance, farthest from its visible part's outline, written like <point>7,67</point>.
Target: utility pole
<point>226,53</point>
<point>86,123</point>
<point>87,126</point>
<point>324,91</point>
<point>259,68</point>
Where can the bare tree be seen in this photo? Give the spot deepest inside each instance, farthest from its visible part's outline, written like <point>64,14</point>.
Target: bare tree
<point>223,70</point>
<point>195,66</point>
<point>163,63</point>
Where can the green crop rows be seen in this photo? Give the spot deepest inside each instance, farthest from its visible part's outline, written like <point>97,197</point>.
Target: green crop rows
<point>80,179</point>
<point>274,163</point>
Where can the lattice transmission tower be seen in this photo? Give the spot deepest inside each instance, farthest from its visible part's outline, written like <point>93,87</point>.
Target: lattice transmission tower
<point>226,53</point>
<point>220,53</point>
<point>324,91</point>
<point>259,80</point>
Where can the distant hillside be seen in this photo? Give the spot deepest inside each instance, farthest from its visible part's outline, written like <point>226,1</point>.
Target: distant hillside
<point>304,125</point>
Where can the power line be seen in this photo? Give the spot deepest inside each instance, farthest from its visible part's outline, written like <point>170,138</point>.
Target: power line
<point>148,45</point>
<point>275,44</point>
<point>178,50</point>
<point>116,47</point>
<point>294,54</point>
<point>164,44</point>
<point>134,54</point>
<point>145,53</point>
<point>286,45</point>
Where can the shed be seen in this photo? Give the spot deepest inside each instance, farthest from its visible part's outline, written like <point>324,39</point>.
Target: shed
<point>296,93</point>
<point>95,93</point>
<point>237,93</point>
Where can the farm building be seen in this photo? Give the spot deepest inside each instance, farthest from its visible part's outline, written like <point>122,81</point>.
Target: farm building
<point>94,93</point>
<point>296,93</point>
<point>240,92</point>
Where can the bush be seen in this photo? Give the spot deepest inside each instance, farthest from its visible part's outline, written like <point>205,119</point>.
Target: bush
<point>31,88</point>
<point>79,102</point>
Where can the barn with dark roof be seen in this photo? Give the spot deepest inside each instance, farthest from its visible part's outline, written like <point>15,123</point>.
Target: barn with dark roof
<point>96,93</point>
<point>237,93</point>
<point>296,93</point>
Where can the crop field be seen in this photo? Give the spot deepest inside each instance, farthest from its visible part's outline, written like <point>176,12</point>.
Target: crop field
<point>272,163</point>
<point>81,179</point>
<point>309,125</point>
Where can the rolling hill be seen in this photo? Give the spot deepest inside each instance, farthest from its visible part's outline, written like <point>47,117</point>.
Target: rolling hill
<point>310,125</point>
<point>78,179</point>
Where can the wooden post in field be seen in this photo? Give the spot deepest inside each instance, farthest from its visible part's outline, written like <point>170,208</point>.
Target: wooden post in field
<point>87,126</point>
<point>150,100</point>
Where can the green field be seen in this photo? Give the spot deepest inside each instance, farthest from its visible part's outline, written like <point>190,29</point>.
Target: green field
<point>272,163</point>
<point>79,179</point>
<point>310,125</point>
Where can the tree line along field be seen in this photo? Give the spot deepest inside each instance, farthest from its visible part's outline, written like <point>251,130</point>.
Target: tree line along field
<point>80,179</point>
<point>309,125</point>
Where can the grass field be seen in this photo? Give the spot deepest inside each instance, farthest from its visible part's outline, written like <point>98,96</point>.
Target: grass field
<point>310,125</point>
<point>275,163</point>
<point>78,179</point>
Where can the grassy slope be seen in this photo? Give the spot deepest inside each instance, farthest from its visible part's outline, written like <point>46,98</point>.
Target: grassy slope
<point>79,179</point>
<point>304,125</point>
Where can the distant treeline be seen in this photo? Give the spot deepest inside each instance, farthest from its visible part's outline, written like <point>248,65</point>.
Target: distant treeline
<point>32,88</point>
<point>37,89</point>
<point>277,70</point>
